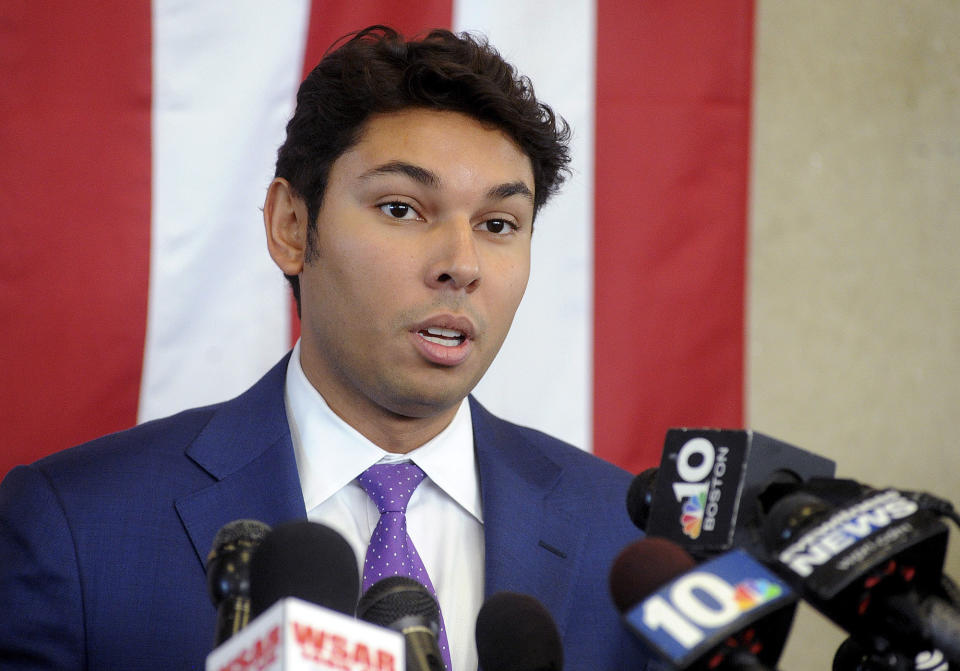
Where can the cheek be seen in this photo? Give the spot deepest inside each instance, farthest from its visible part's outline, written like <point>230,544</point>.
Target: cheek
<point>511,283</point>
<point>518,270</point>
<point>360,267</point>
<point>518,284</point>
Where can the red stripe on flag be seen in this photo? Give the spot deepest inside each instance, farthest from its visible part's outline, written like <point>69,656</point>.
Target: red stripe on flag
<point>75,178</point>
<point>330,20</point>
<point>672,141</point>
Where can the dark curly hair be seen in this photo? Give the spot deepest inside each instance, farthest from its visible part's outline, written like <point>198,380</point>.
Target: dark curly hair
<point>376,70</point>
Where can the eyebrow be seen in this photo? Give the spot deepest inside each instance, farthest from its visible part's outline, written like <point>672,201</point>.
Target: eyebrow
<point>432,180</point>
<point>414,172</point>
<point>504,191</point>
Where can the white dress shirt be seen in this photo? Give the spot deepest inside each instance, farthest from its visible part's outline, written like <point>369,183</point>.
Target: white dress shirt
<point>444,515</point>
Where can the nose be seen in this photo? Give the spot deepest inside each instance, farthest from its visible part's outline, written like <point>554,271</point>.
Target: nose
<point>454,258</point>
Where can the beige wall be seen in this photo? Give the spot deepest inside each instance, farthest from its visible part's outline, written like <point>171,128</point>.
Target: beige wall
<point>854,303</point>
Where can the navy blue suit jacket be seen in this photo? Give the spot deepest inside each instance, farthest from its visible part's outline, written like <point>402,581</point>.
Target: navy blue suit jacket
<point>103,546</point>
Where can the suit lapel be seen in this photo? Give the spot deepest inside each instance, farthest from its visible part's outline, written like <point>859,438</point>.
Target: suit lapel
<point>246,448</point>
<point>532,545</point>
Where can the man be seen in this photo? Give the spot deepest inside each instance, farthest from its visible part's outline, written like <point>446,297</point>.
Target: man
<point>402,214</point>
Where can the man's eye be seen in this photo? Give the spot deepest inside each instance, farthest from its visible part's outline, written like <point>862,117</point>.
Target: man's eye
<point>498,226</point>
<point>398,210</point>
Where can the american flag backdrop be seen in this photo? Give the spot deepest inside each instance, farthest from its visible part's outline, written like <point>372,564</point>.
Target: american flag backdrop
<point>138,140</point>
<point>761,227</point>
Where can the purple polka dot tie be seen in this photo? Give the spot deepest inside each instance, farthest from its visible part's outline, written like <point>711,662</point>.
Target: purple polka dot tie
<point>391,551</point>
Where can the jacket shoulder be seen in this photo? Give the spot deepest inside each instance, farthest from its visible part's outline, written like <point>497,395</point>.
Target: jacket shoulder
<point>163,443</point>
<point>583,464</point>
<point>152,444</point>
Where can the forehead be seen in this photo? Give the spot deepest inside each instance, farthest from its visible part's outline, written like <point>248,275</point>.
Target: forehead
<point>447,143</point>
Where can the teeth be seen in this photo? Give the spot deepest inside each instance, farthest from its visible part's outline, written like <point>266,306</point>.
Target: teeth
<point>445,333</point>
<point>445,337</point>
<point>441,341</point>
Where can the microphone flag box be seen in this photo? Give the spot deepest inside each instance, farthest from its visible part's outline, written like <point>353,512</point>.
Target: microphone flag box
<point>706,499</point>
<point>295,635</point>
<point>731,600</point>
<point>863,536</point>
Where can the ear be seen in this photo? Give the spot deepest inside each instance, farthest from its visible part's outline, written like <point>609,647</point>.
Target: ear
<point>285,221</point>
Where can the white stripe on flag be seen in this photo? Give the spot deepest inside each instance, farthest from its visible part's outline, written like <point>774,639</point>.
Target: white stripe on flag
<point>224,81</point>
<point>543,375</point>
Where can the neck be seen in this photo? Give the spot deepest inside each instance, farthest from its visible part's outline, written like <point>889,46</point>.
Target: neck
<point>392,432</point>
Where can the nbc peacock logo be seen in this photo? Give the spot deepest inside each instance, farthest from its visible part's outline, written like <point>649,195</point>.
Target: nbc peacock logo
<point>691,515</point>
<point>753,592</point>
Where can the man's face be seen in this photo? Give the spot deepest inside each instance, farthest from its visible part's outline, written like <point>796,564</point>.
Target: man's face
<point>422,257</point>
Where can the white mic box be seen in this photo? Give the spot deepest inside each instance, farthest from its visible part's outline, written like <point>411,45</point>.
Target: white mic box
<point>294,635</point>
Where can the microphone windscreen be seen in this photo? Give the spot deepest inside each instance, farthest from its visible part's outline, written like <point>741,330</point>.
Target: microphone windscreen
<point>643,567</point>
<point>403,604</point>
<point>515,632</point>
<point>394,598</point>
<point>228,564</point>
<point>640,497</point>
<point>853,655</point>
<point>789,516</point>
<point>251,531</point>
<point>306,560</point>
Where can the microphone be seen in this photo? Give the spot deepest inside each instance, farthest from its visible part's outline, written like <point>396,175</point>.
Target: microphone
<point>404,605</point>
<point>715,489</point>
<point>515,632</point>
<point>306,560</point>
<point>228,574</point>
<point>852,655</point>
<point>304,585</point>
<point>870,560</point>
<point>640,497</point>
<point>708,493</point>
<point>730,613</point>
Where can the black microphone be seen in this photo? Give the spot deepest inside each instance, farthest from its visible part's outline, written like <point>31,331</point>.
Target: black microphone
<point>228,574</point>
<point>306,560</point>
<point>515,632</point>
<point>640,497</point>
<point>854,655</point>
<point>708,495</point>
<point>404,605</point>
<point>729,613</point>
<point>870,560</point>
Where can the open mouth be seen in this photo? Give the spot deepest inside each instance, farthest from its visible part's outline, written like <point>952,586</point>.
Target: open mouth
<point>440,336</point>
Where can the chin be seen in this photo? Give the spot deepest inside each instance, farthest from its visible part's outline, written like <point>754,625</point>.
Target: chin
<point>424,407</point>
<point>421,396</point>
<point>423,403</point>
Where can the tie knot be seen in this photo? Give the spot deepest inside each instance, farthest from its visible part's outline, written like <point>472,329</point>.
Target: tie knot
<point>390,486</point>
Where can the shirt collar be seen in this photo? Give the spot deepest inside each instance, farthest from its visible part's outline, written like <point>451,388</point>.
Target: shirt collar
<point>330,453</point>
